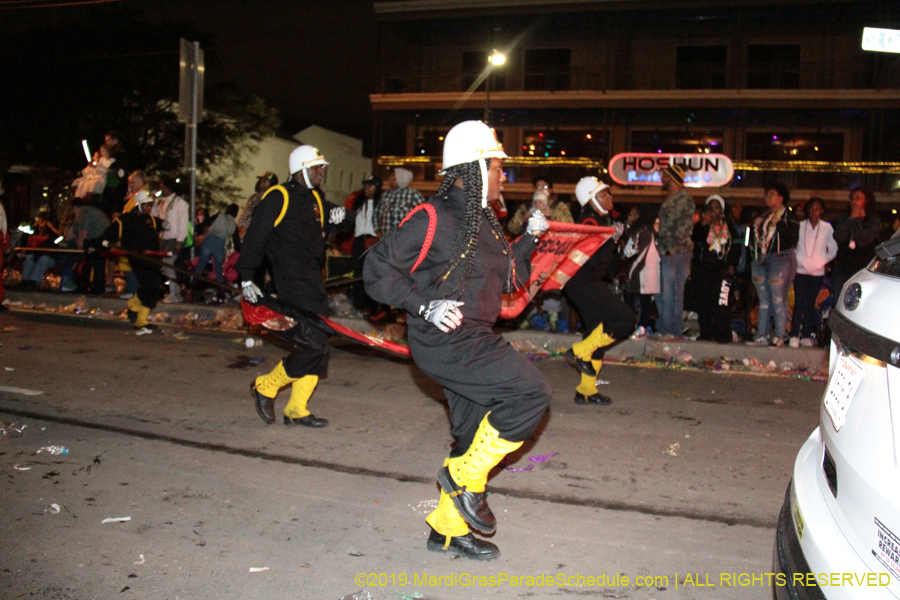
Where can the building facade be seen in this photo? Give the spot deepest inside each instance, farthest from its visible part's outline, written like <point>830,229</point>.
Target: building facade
<point>782,88</point>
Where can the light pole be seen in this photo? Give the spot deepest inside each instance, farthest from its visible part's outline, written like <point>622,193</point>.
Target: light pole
<point>495,60</point>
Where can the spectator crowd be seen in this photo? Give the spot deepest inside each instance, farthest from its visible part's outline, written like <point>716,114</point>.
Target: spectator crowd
<point>709,270</point>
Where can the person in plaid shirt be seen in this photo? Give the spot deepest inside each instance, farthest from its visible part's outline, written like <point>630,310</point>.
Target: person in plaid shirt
<point>396,202</point>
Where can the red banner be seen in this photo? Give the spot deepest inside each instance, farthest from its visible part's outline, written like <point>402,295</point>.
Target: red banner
<point>562,250</point>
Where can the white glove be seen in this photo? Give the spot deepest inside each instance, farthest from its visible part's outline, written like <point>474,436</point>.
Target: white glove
<point>251,292</point>
<point>336,215</point>
<point>105,243</point>
<point>443,314</point>
<point>537,224</point>
<point>620,229</point>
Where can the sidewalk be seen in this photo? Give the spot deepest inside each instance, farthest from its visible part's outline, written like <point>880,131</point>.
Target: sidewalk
<point>227,317</point>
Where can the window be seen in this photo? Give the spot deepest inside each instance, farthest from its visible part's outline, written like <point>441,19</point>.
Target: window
<point>773,66</point>
<point>785,145</point>
<point>548,69</point>
<point>701,67</point>
<point>571,143</point>
<point>474,65</point>
<point>431,142</point>
<point>677,142</point>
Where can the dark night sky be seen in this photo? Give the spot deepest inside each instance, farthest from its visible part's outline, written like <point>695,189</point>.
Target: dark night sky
<point>313,60</point>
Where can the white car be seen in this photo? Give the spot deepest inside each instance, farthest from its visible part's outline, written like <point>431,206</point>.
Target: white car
<point>841,516</point>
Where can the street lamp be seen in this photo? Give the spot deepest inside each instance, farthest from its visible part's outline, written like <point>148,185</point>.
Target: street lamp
<point>495,60</point>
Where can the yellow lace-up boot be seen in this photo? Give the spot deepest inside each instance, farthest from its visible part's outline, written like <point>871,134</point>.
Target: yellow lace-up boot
<point>449,533</point>
<point>587,392</point>
<point>464,478</point>
<point>295,412</point>
<point>581,352</point>
<point>265,388</point>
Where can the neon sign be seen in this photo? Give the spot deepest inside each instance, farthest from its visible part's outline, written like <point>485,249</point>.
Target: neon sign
<point>700,170</point>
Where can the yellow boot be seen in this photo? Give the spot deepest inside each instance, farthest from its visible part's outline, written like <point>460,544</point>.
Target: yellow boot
<point>581,352</point>
<point>446,521</point>
<point>587,392</point>
<point>465,477</point>
<point>585,348</point>
<point>132,305</point>
<point>141,317</point>
<point>449,533</point>
<point>295,412</point>
<point>265,388</point>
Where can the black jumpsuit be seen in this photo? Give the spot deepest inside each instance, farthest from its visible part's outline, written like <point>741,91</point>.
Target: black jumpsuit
<point>479,371</point>
<point>589,291</point>
<point>296,249</point>
<point>138,232</point>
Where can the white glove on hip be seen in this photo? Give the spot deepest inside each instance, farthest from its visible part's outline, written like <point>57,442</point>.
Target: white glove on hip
<point>537,224</point>
<point>443,314</point>
<point>336,215</point>
<point>251,292</point>
<point>620,229</point>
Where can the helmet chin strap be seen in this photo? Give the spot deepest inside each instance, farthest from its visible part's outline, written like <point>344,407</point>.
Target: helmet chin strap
<point>306,178</point>
<point>482,164</point>
<point>597,206</point>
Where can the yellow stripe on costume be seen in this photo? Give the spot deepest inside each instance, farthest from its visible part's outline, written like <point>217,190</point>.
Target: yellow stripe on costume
<point>321,210</point>
<point>284,205</point>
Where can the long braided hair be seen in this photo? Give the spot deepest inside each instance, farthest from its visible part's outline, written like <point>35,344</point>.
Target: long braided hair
<point>466,243</point>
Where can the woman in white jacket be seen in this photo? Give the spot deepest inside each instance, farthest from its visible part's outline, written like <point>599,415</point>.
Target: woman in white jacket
<point>815,249</point>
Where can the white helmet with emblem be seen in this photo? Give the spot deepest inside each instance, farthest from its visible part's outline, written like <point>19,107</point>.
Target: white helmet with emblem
<point>142,197</point>
<point>586,190</point>
<point>472,141</point>
<point>302,158</point>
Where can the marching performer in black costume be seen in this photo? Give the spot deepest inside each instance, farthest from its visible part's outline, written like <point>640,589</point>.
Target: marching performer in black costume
<point>605,316</point>
<point>288,227</point>
<point>137,231</point>
<point>448,266</point>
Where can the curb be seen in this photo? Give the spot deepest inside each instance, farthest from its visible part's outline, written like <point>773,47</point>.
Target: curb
<point>528,341</point>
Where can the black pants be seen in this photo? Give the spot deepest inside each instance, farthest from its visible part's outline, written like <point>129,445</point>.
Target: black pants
<point>310,355</point>
<point>93,266</point>
<point>645,307</point>
<point>597,304</point>
<point>149,281</point>
<point>361,300</point>
<point>713,316</point>
<point>806,290</point>
<point>480,373</point>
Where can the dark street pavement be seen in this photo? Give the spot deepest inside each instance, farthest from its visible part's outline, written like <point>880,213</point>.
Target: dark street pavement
<point>684,473</point>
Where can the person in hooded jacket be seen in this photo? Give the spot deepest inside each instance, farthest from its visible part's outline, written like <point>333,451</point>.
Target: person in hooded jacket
<point>715,255</point>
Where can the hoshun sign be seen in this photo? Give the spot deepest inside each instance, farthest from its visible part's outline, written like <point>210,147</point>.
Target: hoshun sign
<point>700,170</point>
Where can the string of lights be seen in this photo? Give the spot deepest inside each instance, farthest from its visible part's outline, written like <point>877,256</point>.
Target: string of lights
<point>26,4</point>
<point>808,166</point>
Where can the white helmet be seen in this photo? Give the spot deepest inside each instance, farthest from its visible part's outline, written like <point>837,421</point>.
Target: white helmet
<point>472,141</point>
<point>142,197</point>
<point>587,189</point>
<point>302,158</point>
<point>469,141</point>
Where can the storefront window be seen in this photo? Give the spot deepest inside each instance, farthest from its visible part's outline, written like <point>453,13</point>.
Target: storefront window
<point>785,145</point>
<point>677,142</point>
